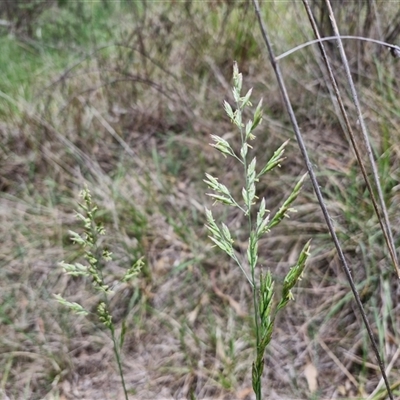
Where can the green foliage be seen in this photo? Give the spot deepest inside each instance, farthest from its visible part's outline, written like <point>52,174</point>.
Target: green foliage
<point>23,15</point>
<point>262,283</point>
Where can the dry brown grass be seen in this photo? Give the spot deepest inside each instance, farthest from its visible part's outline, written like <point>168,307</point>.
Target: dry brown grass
<point>133,122</point>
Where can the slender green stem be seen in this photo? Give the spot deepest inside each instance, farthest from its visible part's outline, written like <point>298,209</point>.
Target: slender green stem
<point>251,258</point>
<point>118,358</point>
<point>257,322</point>
<point>249,279</point>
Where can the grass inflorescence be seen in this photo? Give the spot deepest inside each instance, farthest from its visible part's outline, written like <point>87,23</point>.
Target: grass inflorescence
<point>95,271</point>
<point>262,283</point>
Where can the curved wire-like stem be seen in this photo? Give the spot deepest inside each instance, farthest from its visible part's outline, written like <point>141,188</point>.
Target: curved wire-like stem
<point>317,189</point>
<point>331,38</point>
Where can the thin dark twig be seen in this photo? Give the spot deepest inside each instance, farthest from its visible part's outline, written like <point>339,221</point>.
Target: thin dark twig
<point>387,232</point>
<point>376,178</point>
<point>384,223</point>
<point>314,182</point>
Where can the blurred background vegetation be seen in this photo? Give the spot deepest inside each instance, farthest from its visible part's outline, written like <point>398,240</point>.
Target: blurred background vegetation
<point>123,96</point>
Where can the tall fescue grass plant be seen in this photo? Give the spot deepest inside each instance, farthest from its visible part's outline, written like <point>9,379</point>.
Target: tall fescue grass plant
<point>259,223</point>
<point>95,256</point>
